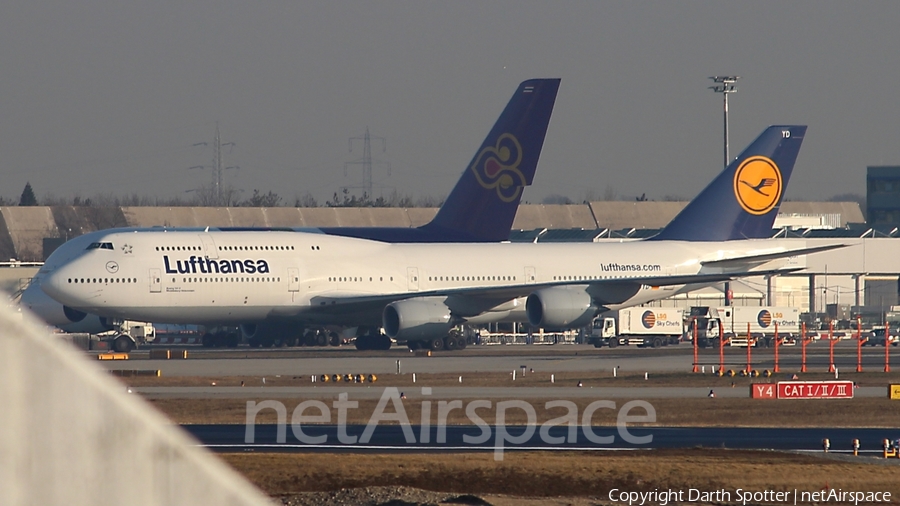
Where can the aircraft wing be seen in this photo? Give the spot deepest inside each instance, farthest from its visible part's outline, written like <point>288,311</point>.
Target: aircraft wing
<point>749,261</point>
<point>605,290</point>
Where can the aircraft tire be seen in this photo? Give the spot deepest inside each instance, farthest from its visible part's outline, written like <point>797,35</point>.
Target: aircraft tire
<point>436,344</point>
<point>123,344</point>
<point>321,339</point>
<point>365,342</point>
<point>334,339</point>
<point>218,340</point>
<point>450,343</point>
<point>461,343</point>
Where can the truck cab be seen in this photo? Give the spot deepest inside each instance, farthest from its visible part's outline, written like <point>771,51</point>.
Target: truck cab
<point>650,327</point>
<point>708,326</point>
<point>602,332</point>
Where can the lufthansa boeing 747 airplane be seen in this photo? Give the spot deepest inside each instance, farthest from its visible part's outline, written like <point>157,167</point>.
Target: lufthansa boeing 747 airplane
<point>278,281</point>
<point>480,208</point>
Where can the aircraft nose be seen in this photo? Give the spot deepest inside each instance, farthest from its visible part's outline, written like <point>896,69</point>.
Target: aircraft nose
<point>32,294</point>
<point>52,285</point>
<point>36,300</point>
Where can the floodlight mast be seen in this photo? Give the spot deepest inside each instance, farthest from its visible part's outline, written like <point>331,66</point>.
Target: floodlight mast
<point>725,85</point>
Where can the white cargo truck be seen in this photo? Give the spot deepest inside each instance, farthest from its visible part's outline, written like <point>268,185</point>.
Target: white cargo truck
<point>735,321</point>
<point>641,326</point>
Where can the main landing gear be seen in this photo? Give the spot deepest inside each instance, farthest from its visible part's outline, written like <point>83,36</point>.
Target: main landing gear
<point>451,342</point>
<point>373,342</point>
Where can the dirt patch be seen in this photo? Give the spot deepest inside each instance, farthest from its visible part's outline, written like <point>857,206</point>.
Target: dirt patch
<point>587,476</point>
<point>394,496</point>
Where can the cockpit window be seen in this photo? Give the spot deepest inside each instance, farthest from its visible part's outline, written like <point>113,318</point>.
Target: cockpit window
<point>100,245</point>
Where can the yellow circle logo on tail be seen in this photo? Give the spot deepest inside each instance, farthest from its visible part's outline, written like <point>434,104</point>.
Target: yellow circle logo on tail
<point>757,185</point>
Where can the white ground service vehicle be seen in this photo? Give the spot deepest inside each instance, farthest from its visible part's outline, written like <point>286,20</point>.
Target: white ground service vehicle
<point>641,326</point>
<point>762,321</point>
<point>127,335</point>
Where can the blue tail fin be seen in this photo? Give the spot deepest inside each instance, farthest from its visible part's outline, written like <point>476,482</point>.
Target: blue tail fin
<point>483,204</point>
<point>742,201</point>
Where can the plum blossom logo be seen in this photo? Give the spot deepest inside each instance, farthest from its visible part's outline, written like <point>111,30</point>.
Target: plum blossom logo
<point>498,167</point>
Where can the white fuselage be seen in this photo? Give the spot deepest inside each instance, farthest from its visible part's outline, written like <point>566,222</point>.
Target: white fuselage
<point>235,276</point>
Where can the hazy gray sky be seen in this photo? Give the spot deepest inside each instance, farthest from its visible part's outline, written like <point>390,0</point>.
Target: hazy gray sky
<point>108,96</point>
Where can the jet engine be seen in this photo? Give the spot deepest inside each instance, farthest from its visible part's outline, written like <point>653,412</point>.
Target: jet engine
<point>417,319</point>
<point>560,308</point>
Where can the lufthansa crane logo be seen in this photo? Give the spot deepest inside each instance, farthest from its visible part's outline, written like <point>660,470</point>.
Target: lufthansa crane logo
<point>757,185</point>
<point>497,167</point>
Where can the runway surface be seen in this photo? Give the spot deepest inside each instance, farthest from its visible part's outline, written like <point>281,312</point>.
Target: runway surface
<point>559,358</point>
<point>463,438</point>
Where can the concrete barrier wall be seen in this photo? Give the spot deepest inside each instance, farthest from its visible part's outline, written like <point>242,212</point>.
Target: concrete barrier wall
<point>7,247</point>
<point>269,217</point>
<point>28,226</point>
<point>419,216</point>
<point>355,217</point>
<point>530,217</point>
<point>73,221</point>
<point>176,216</point>
<point>618,215</point>
<point>70,434</point>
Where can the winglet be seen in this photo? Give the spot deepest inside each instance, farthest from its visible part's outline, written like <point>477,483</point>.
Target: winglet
<point>483,204</point>
<point>742,202</point>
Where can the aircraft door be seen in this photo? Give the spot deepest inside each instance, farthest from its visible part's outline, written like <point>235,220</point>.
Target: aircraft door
<point>529,275</point>
<point>293,279</point>
<point>209,246</point>
<point>412,276</point>
<point>155,281</point>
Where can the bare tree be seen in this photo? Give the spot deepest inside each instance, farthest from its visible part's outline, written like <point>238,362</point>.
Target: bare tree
<point>258,199</point>
<point>307,200</point>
